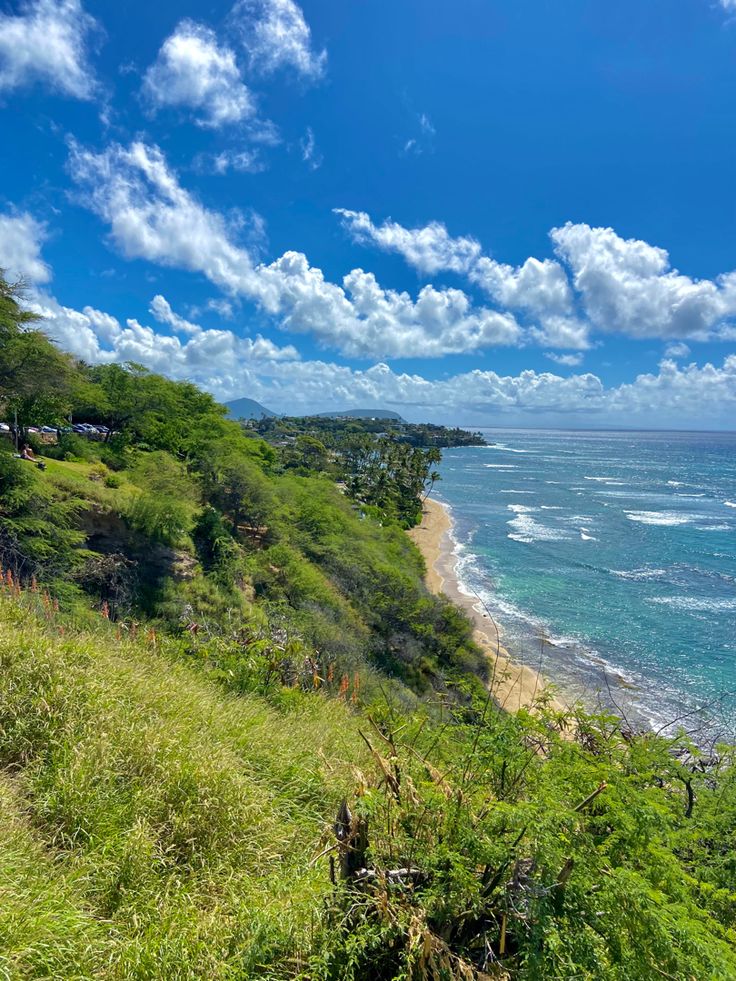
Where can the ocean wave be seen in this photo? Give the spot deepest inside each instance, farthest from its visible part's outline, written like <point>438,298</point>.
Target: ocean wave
<point>515,492</point>
<point>504,448</point>
<point>550,507</point>
<point>713,527</point>
<point>669,518</point>
<point>527,530</point>
<point>587,537</point>
<point>640,575</point>
<point>695,603</point>
<point>606,480</point>
<point>730,504</point>
<point>520,508</point>
<point>500,466</point>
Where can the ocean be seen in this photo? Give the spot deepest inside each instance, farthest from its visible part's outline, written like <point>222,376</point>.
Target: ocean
<point>609,559</point>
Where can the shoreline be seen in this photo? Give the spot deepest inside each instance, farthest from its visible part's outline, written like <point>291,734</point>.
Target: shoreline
<point>515,685</point>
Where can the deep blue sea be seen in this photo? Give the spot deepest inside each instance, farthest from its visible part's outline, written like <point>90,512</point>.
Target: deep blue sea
<point>610,559</point>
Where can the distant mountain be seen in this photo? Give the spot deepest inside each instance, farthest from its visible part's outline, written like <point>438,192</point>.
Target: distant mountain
<point>247,409</point>
<point>362,414</point>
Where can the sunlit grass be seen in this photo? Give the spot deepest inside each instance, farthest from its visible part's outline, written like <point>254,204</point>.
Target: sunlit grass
<point>152,825</point>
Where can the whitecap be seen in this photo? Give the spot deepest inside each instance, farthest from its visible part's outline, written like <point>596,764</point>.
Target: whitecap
<point>506,449</point>
<point>695,603</point>
<point>520,508</point>
<point>639,575</point>
<point>500,466</point>
<point>586,537</point>
<point>669,518</point>
<point>515,492</point>
<point>527,530</point>
<point>730,504</point>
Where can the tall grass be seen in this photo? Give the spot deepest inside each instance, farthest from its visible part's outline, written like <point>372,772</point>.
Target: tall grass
<point>153,825</point>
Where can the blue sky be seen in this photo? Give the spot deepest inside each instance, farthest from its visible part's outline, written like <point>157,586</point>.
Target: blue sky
<point>484,212</point>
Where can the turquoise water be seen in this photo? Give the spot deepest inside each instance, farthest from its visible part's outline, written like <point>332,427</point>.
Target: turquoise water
<point>609,558</point>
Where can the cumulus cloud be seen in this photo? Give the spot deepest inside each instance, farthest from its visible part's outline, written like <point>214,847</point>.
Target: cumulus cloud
<point>231,366</point>
<point>569,360</point>
<point>161,310</point>
<point>677,350</point>
<point>276,35</point>
<point>627,286</point>
<point>151,216</point>
<point>537,286</point>
<point>615,285</point>
<point>47,42</point>
<point>21,238</point>
<point>193,71</point>
<point>218,360</point>
<point>429,249</point>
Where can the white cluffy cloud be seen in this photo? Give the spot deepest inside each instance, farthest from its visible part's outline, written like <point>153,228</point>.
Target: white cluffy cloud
<point>627,286</point>
<point>568,360</point>
<point>429,249</point>
<point>151,216</point>
<point>193,71</point>
<point>679,349</point>
<point>230,365</point>
<point>21,238</point>
<point>276,35</point>
<point>614,285</point>
<point>47,42</point>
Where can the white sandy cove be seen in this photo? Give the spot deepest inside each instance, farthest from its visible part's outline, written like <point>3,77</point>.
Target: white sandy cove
<point>515,685</point>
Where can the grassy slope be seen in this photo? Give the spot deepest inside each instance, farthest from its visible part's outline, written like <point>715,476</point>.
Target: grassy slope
<point>151,825</point>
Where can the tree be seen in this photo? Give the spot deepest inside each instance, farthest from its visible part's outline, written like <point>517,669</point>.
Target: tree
<point>36,379</point>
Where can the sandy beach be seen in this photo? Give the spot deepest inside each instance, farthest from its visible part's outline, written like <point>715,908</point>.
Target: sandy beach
<point>515,685</point>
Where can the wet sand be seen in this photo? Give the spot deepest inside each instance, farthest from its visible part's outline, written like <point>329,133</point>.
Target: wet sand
<point>515,685</point>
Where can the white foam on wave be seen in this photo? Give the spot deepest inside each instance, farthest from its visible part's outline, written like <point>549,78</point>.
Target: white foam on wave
<point>504,448</point>
<point>694,603</point>
<point>730,504</point>
<point>606,480</point>
<point>515,492</point>
<point>551,507</point>
<point>520,508</point>
<point>586,537</point>
<point>668,518</point>
<point>639,575</point>
<point>500,466</point>
<point>527,530</point>
<point>553,481</point>
<point>674,483</point>
<point>713,527</point>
